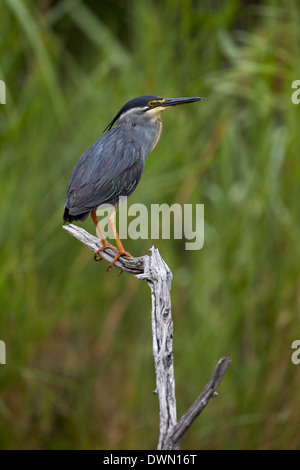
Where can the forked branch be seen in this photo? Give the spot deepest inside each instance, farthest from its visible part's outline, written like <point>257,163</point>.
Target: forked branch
<point>158,276</point>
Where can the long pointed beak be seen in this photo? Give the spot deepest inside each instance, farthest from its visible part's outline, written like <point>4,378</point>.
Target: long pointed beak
<point>168,102</point>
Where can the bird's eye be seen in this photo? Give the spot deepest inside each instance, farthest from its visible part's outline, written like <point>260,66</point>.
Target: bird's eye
<point>155,103</point>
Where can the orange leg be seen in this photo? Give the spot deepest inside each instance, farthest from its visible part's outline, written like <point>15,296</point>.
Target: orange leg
<point>104,242</point>
<point>121,251</point>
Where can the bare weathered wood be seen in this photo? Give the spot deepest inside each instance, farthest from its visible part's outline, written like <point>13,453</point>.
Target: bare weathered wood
<point>158,276</point>
<point>177,433</point>
<point>129,265</point>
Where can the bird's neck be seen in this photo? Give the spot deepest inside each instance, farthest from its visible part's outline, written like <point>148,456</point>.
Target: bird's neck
<point>146,133</point>
<point>149,135</point>
<point>159,129</point>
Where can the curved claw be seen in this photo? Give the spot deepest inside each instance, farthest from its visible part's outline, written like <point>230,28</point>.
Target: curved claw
<point>103,247</point>
<point>120,253</point>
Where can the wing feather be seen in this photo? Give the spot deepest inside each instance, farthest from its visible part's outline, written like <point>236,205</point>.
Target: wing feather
<point>110,168</point>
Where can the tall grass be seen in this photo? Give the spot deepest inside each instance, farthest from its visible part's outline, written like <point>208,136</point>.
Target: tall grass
<point>79,370</point>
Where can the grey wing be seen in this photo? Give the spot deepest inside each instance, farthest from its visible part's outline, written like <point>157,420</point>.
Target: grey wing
<point>111,168</point>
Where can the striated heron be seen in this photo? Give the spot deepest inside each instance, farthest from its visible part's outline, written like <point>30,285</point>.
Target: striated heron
<point>113,166</point>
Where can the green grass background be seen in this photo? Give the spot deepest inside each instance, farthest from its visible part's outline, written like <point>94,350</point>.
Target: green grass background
<point>80,372</point>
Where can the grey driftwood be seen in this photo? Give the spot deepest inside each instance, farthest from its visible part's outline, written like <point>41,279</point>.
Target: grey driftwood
<point>158,276</point>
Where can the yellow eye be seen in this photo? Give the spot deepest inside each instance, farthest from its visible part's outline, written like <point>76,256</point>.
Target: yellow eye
<point>155,103</point>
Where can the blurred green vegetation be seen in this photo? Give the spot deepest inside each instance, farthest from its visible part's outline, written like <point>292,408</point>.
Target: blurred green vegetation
<point>79,372</point>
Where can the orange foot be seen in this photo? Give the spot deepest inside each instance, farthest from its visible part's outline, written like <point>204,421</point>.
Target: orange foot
<point>105,245</point>
<point>121,252</point>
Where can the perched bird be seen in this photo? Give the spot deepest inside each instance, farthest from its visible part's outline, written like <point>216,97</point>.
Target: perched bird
<point>113,166</point>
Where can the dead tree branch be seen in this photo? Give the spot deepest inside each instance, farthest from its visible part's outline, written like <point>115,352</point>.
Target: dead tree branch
<point>158,276</point>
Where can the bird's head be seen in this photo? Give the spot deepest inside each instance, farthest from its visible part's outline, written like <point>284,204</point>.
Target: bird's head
<point>148,107</point>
